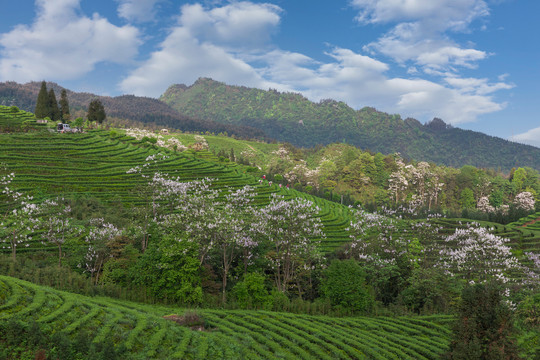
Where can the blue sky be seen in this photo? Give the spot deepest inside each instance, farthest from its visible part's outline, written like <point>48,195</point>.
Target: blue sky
<point>473,63</point>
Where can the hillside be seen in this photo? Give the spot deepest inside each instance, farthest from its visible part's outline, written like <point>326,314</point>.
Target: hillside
<point>94,166</point>
<point>135,331</point>
<point>123,235</point>
<point>126,109</point>
<point>292,118</point>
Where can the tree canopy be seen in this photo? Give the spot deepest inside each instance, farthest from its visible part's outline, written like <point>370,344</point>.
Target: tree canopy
<point>96,111</point>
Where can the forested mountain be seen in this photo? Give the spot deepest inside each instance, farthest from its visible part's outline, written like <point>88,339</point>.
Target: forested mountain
<point>141,110</point>
<point>292,118</point>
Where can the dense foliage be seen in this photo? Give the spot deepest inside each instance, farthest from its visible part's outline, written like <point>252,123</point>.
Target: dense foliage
<point>485,328</point>
<point>293,118</point>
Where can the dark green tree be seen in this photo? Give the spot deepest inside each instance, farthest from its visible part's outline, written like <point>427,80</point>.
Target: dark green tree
<point>54,111</point>
<point>42,103</point>
<point>484,328</point>
<point>64,105</point>
<point>96,111</point>
<point>344,284</point>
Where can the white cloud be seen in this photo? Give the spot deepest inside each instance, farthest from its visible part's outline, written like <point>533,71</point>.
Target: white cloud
<point>362,81</point>
<point>212,43</point>
<point>183,59</point>
<point>421,31</point>
<point>239,24</point>
<point>206,43</point>
<point>61,44</point>
<point>137,10</point>
<point>531,137</point>
<point>476,86</point>
<point>441,14</point>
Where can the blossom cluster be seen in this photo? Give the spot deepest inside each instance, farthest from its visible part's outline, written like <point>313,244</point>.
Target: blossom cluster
<point>171,143</point>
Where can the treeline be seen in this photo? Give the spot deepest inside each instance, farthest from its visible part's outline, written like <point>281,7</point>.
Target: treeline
<point>290,117</point>
<point>344,173</point>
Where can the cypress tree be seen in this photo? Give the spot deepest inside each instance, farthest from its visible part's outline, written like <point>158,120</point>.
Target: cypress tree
<point>64,105</point>
<point>42,103</point>
<point>54,111</point>
<point>96,111</point>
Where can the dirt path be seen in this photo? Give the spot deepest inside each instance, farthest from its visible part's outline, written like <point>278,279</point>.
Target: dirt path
<point>530,222</point>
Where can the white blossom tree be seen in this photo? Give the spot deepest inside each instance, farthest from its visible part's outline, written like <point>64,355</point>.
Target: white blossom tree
<point>56,221</point>
<point>475,254</point>
<point>19,221</point>
<point>291,228</point>
<point>525,201</point>
<point>99,236</point>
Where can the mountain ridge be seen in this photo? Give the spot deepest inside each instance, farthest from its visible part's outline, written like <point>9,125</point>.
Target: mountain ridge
<point>291,117</point>
<point>141,110</point>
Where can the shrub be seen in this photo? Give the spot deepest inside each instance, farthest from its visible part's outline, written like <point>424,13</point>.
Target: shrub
<point>344,284</point>
<point>251,291</point>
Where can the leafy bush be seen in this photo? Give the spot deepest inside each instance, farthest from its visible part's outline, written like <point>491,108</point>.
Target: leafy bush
<point>251,291</point>
<point>344,284</point>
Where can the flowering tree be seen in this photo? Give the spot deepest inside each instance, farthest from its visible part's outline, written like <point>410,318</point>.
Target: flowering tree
<point>147,214</point>
<point>290,227</point>
<point>57,223</point>
<point>19,220</point>
<point>483,205</point>
<point>420,180</point>
<point>382,240</point>
<point>475,254</point>
<point>524,200</point>
<point>17,226</point>
<point>100,234</point>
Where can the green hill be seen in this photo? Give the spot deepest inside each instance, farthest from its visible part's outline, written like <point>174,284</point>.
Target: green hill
<point>127,110</point>
<point>136,331</point>
<point>292,118</point>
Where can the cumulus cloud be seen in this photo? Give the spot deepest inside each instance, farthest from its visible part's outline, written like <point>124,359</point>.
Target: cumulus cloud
<point>137,10</point>
<point>61,44</point>
<point>232,43</point>
<point>361,80</point>
<point>210,43</point>
<point>238,25</point>
<point>441,14</point>
<point>531,137</point>
<point>421,31</point>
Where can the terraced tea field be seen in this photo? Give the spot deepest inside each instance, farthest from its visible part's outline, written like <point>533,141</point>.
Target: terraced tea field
<point>11,118</point>
<point>94,164</point>
<point>144,333</point>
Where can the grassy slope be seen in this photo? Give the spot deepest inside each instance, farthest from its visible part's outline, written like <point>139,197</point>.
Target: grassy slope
<point>234,334</point>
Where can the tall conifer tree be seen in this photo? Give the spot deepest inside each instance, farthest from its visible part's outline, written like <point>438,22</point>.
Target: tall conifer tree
<point>96,111</point>
<point>64,105</point>
<point>54,111</point>
<point>42,103</point>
